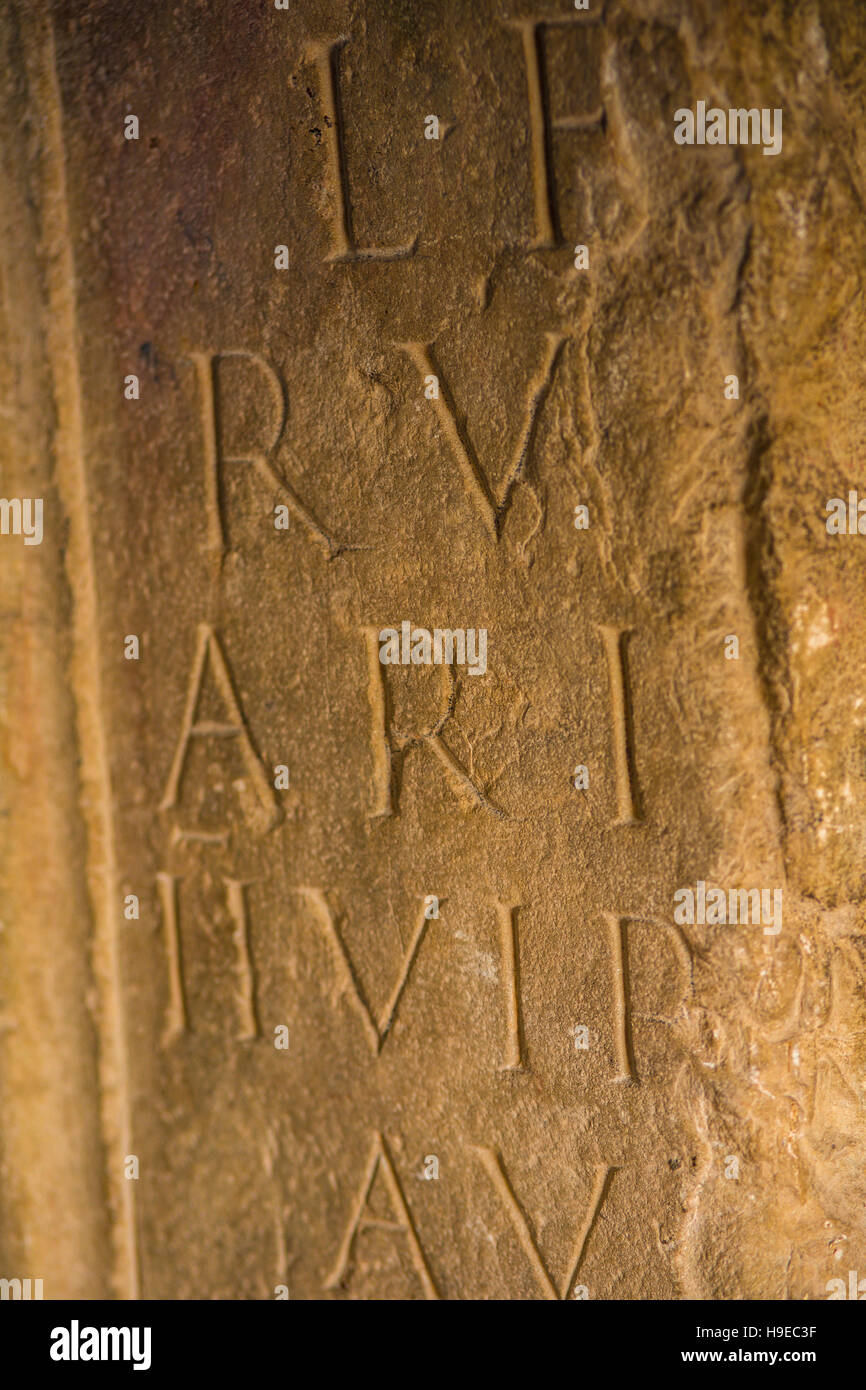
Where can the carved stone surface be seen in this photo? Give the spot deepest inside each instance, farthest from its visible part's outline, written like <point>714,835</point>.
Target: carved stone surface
<point>339,979</point>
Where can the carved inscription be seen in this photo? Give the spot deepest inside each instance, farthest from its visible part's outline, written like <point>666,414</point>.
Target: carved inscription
<point>519,711</point>
<point>206,366</point>
<point>507,914</point>
<point>245,989</point>
<point>376,1030</point>
<point>176,1013</point>
<point>626,781</point>
<point>326,56</point>
<point>391,745</point>
<point>363,1219</point>
<point>493,509</point>
<point>622,1025</point>
<point>617,931</point>
<point>264,809</point>
<point>177,1019</point>
<point>542,125</point>
<point>492,1164</point>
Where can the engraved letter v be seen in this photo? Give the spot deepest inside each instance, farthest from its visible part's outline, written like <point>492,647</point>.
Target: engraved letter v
<point>348,975</point>
<point>493,509</point>
<point>495,1170</point>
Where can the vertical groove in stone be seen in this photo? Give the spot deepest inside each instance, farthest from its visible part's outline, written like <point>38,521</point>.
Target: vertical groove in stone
<point>84,673</point>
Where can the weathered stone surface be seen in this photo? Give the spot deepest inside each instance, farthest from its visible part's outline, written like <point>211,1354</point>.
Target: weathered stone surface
<point>605,1169</point>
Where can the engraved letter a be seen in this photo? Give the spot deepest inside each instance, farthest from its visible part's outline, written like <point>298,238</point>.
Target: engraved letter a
<point>265,811</point>
<point>363,1219</point>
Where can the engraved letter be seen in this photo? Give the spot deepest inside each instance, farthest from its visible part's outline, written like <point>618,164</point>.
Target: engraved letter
<point>493,509</point>
<point>617,936</point>
<point>616,927</point>
<point>206,366</point>
<point>177,1017</point>
<point>403,1223</point>
<point>507,914</point>
<point>541,127</point>
<point>348,976</point>
<point>246,988</point>
<point>266,811</point>
<point>626,782</point>
<point>495,1169</point>
<point>390,745</point>
<point>326,56</point>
